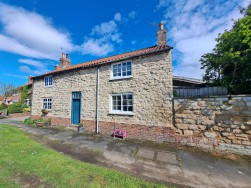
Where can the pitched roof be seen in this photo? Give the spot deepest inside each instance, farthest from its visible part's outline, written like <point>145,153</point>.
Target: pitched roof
<point>144,51</point>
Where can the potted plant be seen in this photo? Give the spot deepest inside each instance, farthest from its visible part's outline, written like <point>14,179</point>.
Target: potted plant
<point>40,122</point>
<point>44,112</point>
<point>80,128</point>
<point>43,122</point>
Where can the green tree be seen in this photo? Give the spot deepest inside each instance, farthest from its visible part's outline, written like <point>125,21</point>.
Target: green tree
<point>229,64</point>
<point>24,93</point>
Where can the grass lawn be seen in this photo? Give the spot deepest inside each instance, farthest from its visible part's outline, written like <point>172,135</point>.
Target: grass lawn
<point>26,163</point>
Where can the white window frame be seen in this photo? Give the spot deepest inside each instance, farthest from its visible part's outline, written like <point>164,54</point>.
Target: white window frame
<point>120,77</point>
<point>121,112</point>
<point>47,77</point>
<point>43,106</point>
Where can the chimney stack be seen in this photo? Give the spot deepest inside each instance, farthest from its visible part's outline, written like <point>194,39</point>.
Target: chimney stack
<point>30,79</point>
<point>161,35</point>
<point>56,67</point>
<point>64,61</point>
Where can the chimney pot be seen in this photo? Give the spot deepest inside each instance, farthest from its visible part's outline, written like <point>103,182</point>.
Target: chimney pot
<point>161,35</point>
<point>161,26</point>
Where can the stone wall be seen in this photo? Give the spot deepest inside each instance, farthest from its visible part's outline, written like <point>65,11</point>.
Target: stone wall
<point>226,120</point>
<point>151,86</point>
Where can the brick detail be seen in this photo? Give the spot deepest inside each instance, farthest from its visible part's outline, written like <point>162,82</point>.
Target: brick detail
<point>143,132</point>
<point>55,120</point>
<point>19,114</point>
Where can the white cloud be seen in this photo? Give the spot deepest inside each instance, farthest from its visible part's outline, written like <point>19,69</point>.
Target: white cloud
<point>104,28</point>
<point>194,27</point>
<point>29,34</point>
<point>132,14</point>
<point>11,45</point>
<point>38,67</point>
<point>102,38</point>
<point>38,64</point>
<point>117,17</point>
<point>27,70</point>
<point>96,47</point>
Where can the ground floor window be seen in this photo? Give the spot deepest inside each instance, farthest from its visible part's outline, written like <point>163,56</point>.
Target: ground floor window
<point>47,103</point>
<point>122,103</point>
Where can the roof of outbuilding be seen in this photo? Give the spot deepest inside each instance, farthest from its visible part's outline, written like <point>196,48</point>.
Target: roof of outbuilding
<point>114,58</point>
<point>189,80</point>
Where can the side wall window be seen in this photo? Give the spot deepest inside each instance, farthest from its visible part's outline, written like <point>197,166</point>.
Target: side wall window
<point>48,81</point>
<point>47,103</point>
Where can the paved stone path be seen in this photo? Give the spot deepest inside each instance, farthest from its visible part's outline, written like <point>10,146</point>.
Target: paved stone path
<point>180,167</point>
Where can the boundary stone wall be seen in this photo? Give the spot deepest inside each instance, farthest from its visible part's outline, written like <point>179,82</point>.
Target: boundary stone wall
<point>225,119</point>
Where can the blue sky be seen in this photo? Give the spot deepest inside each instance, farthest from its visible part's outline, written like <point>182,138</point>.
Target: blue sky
<point>33,33</point>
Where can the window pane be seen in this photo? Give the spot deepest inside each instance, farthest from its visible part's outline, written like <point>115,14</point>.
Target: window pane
<point>119,97</point>
<point>119,67</point>
<point>119,103</point>
<point>124,73</point>
<point>129,102</point>
<point>118,107</point>
<point>129,64</point>
<point>124,108</point>
<point>129,73</point>
<point>130,108</point>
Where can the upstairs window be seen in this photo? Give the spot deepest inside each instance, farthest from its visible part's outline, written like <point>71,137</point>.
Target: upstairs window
<point>48,81</point>
<point>47,103</point>
<point>122,70</point>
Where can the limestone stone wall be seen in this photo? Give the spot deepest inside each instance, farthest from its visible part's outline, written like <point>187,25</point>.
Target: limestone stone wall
<point>151,86</point>
<point>226,120</point>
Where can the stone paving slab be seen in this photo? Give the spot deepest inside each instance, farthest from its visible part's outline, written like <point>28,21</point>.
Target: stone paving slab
<point>61,136</point>
<point>167,157</point>
<point>145,153</point>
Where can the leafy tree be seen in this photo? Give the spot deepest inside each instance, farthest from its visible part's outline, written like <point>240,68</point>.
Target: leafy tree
<point>230,62</point>
<point>7,89</point>
<point>24,93</point>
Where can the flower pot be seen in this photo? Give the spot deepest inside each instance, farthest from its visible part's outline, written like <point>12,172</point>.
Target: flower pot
<point>40,124</point>
<point>80,129</point>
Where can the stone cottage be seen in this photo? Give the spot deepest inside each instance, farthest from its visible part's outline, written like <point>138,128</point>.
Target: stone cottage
<point>132,91</point>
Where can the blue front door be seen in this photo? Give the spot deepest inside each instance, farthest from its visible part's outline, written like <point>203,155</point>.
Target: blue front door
<point>76,107</point>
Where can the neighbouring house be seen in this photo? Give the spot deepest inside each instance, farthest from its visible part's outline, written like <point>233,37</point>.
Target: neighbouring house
<point>132,90</point>
<point>1,99</point>
<point>14,98</point>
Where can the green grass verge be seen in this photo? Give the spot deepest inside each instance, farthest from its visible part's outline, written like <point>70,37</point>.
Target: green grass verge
<point>24,161</point>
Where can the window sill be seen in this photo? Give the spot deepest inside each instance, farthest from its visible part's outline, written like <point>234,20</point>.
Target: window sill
<point>48,86</point>
<point>121,78</point>
<point>121,113</point>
